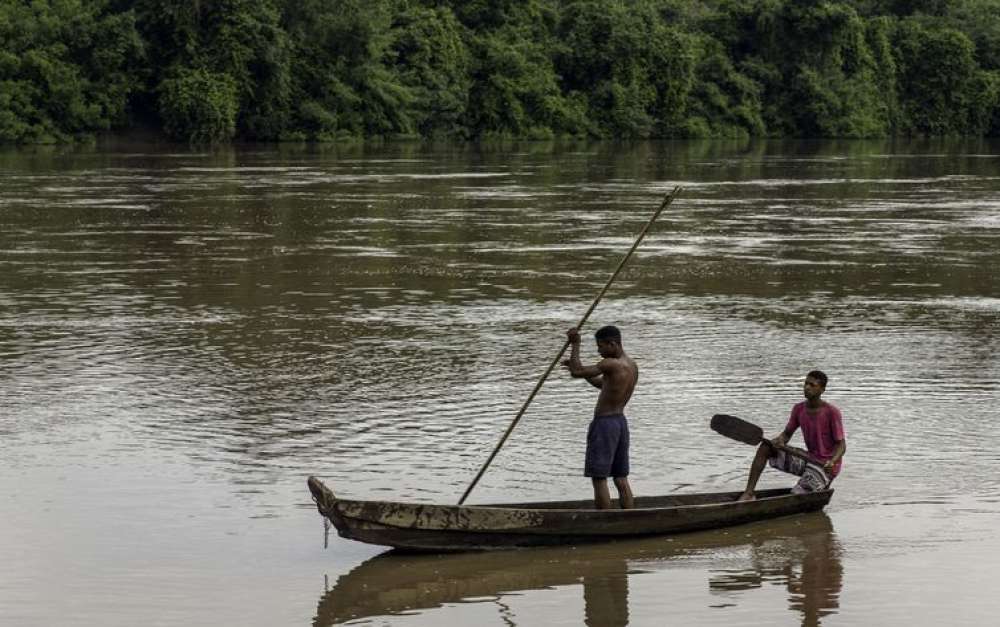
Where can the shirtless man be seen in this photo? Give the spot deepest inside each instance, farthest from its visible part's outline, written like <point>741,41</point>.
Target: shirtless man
<point>607,438</point>
<point>823,431</point>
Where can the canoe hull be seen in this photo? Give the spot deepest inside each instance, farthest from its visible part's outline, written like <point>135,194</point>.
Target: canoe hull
<point>422,527</point>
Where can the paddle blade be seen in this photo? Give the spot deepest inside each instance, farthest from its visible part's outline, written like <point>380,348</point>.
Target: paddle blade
<point>737,429</point>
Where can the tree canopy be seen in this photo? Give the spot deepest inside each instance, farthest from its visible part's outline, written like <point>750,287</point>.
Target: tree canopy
<point>266,70</point>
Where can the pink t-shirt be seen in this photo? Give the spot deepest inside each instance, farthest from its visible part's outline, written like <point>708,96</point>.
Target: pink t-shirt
<point>821,431</point>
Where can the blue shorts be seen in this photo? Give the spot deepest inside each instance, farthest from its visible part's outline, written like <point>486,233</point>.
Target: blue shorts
<point>607,447</point>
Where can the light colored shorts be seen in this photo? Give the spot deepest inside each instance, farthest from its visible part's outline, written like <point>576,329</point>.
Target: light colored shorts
<point>812,477</point>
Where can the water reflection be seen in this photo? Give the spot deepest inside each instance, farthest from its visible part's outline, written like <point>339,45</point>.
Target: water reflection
<point>605,598</point>
<point>799,552</point>
<point>808,565</point>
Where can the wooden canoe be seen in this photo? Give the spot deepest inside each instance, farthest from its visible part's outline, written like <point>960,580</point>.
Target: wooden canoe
<point>426,527</point>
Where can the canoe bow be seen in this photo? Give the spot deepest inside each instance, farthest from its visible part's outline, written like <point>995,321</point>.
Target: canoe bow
<point>323,497</point>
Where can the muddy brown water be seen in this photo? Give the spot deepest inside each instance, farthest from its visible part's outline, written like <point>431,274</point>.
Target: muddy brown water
<point>186,335</point>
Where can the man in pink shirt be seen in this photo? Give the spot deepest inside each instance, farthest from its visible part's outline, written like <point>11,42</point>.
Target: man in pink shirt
<point>823,431</point>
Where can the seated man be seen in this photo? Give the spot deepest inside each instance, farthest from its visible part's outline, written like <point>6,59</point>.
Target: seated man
<point>823,432</point>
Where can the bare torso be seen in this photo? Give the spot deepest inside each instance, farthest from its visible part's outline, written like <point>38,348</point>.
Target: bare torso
<point>619,376</point>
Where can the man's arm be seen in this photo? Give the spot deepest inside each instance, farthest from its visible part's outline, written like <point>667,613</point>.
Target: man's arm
<point>782,438</point>
<point>790,428</point>
<point>837,433</point>
<point>576,369</point>
<point>837,454</point>
<point>579,371</point>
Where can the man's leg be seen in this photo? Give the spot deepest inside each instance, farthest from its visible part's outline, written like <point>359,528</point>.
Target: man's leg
<point>757,467</point>
<point>625,499</point>
<point>602,497</point>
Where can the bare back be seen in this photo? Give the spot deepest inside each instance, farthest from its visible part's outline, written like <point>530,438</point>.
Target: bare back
<point>618,378</point>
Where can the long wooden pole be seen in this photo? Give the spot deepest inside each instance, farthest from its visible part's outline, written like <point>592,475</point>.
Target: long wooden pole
<point>663,205</point>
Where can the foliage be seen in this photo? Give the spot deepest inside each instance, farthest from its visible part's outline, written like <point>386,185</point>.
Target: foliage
<point>944,91</point>
<point>515,92</point>
<point>199,105</point>
<point>238,39</point>
<point>342,83</point>
<point>432,62</point>
<point>634,70</point>
<point>66,69</point>
<point>209,71</point>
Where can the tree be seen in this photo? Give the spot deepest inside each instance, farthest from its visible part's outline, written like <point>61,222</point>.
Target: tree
<point>941,87</point>
<point>432,62</point>
<point>819,75</point>
<point>329,70</point>
<point>67,69</point>
<point>724,102</point>
<point>343,81</point>
<point>222,45</point>
<point>634,71</point>
<point>515,89</point>
<point>198,105</point>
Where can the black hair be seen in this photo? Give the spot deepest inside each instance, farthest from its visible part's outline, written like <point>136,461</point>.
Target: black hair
<point>609,332</point>
<point>819,375</point>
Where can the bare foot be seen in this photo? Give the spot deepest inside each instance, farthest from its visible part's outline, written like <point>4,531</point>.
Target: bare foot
<point>746,496</point>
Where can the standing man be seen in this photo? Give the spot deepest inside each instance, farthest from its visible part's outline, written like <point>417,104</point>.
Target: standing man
<point>607,437</point>
<point>823,432</point>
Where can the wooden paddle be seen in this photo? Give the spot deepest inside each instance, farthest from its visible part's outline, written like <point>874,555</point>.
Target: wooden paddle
<point>663,205</point>
<point>749,433</point>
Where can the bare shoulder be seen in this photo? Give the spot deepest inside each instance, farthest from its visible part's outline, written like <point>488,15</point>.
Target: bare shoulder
<point>613,364</point>
<point>609,364</point>
<point>624,365</point>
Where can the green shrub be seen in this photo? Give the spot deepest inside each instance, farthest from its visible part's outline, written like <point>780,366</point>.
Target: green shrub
<point>199,106</point>
<point>67,69</point>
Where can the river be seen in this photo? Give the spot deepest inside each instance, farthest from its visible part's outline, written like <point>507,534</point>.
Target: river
<point>186,335</point>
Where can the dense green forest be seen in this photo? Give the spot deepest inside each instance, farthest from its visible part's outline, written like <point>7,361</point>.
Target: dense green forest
<point>266,70</point>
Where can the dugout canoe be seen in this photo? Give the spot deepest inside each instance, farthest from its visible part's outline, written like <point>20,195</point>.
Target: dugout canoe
<point>429,527</point>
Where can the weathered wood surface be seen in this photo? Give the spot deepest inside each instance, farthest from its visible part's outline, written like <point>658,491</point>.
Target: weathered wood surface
<point>427,527</point>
